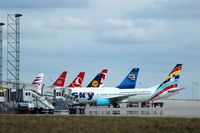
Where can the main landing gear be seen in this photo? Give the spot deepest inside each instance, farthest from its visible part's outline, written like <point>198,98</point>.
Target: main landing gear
<point>116,105</point>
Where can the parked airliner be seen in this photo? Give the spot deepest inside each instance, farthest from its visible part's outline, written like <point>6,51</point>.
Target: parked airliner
<point>60,82</point>
<point>78,81</point>
<point>112,95</point>
<point>99,79</point>
<point>39,81</point>
<point>129,81</point>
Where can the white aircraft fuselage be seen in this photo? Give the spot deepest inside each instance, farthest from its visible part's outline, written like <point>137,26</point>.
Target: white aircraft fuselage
<point>91,95</point>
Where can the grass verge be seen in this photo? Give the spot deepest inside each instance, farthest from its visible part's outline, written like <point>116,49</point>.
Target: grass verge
<point>95,124</point>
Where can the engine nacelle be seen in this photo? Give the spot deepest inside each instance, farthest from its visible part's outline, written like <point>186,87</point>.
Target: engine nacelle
<point>103,102</point>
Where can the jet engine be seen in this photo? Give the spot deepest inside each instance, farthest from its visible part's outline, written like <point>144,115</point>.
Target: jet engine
<point>103,102</point>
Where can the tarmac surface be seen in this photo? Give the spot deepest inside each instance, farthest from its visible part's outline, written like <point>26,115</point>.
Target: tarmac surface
<point>171,108</point>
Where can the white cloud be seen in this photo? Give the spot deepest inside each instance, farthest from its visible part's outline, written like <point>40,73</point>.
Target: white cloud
<point>167,9</point>
<point>29,4</point>
<point>132,31</point>
<point>121,22</point>
<point>122,4</point>
<point>67,22</point>
<point>59,22</point>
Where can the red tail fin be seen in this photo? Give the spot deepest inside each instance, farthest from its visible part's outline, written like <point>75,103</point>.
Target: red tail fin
<point>61,80</point>
<point>77,82</point>
<point>103,77</point>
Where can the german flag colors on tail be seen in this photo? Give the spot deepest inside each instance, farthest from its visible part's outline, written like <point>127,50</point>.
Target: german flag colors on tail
<point>170,82</point>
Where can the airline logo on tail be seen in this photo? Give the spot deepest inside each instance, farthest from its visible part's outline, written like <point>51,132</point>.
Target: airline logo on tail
<point>39,79</point>
<point>61,80</point>
<point>130,81</point>
<point>96,81</point>
<point>77,82</point>
<point>131,76</point>
<point>170,82</point>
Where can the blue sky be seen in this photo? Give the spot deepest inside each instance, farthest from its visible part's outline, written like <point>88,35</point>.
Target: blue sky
<point>89,35</point>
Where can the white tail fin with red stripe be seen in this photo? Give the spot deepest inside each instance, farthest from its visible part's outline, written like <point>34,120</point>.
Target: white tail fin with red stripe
<point>39,80</point>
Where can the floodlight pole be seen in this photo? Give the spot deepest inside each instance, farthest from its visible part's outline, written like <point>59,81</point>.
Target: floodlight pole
<point>1,53</point>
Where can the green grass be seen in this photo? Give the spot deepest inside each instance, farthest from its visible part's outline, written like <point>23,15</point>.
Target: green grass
<point>92,124</point>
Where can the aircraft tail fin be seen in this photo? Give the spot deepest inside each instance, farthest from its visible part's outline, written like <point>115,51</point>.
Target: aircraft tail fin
<point>103,77</point>
<point>39,80</point>
<point>61,80</point>
<point>130,80</point>
<point>96,81</point>
<point>170,82</point>
<point>77,82</point>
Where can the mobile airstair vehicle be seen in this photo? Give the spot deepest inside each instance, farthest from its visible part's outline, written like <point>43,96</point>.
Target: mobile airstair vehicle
<point>34,102</point>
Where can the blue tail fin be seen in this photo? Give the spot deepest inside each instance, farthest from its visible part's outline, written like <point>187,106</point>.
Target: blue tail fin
<point>96,81</point>
<point>130,81</point>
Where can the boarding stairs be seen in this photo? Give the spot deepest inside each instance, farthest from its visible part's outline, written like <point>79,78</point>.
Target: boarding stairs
<point>34,102</point>
<point>40,101</point>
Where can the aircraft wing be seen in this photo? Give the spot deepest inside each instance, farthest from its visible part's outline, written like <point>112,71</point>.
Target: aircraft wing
<point>120,98</point>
